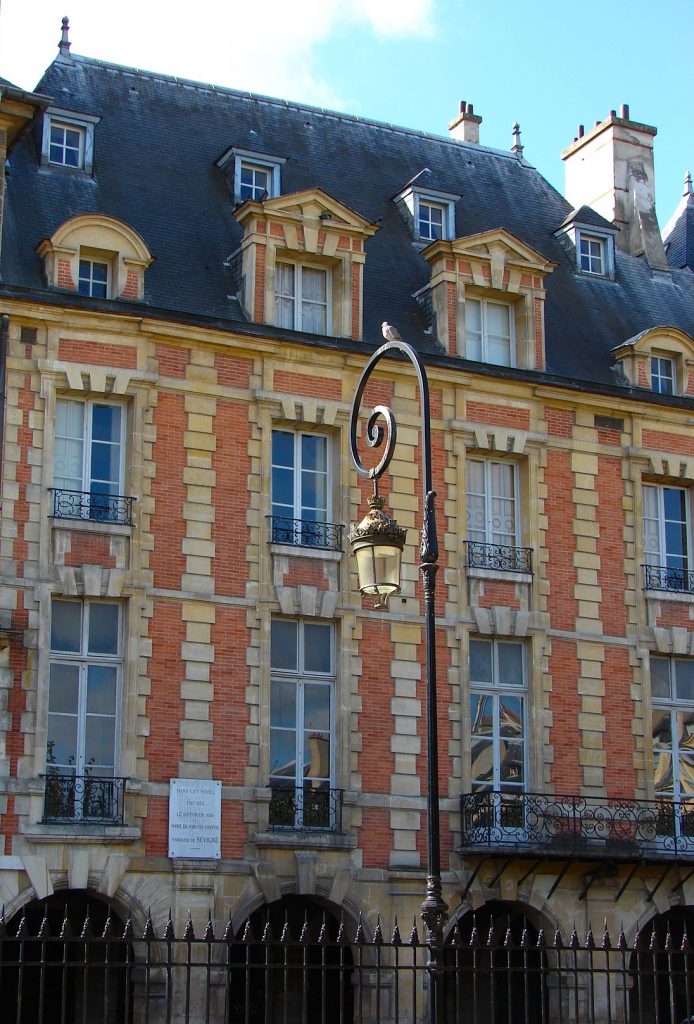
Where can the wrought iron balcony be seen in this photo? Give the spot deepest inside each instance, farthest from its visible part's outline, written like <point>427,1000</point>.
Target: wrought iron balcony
<point>83,799</point>
<point>662,577</point>
<point>565,826</point>
<point>92,506</point>
<point>498,557</point>
<point>305,808</point>
<point>305,533</point>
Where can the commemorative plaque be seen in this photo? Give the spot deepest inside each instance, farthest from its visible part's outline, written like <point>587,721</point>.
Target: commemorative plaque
<point>195,817</point>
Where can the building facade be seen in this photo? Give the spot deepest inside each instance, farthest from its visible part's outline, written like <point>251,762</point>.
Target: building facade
<point>193,280</point>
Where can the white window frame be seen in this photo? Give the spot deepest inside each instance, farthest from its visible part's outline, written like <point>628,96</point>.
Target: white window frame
<point>247,158</point>
<point>302,677</point>
<point>489,498</point>
<point>655,541</point>
<point>658,363</point>
<point>88,279</point>
<point>87,442</point>
<point>68,119</point>
<point>422,203</point>
<point>494,690</point>
<point>484,305</point>
<point>297,296</point>
<point>591,262</point>
<point>308,534</point>
<point>83,659</point>
<point>606,256</point>
<point>673,706</point>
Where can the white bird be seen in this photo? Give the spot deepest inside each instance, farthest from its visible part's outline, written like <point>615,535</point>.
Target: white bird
<point>390,333</point>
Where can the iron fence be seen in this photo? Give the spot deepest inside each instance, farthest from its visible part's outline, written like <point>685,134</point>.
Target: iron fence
<point>662,577</point>
<point>506,975</point>
<point>92,505</point>
<point>84,798</point>
<point>498,557</point>
<point>306,533</point>
<point>311,807</point>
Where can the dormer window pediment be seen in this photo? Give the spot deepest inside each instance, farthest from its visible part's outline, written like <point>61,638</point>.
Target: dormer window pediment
<point>660,359</point>
<point>488,298</point>
<point>302,262</point>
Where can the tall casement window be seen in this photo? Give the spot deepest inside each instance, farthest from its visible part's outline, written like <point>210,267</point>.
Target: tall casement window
<point>88,463</point>
<point>302,298</point>
<point>489,332</point>
<point>301,490</point>
<point>492,517</point>
<point>83,710</point>
<point>672,689</point>
<point>667,543</point>
<point>302,725</point>
<point>662,375</point>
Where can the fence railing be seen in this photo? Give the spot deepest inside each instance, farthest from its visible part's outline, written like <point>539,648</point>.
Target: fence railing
<point>661,577</point>
<point>93,506</point>
<point>83,799</point>
<point>305,533</point>
<point>498,557</point>
<point>504,975</point>
<point>306,808</point>
<point>576,825</point>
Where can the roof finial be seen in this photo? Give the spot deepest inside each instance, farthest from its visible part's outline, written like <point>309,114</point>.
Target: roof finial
<point>688,190</point>
<point>64,44</point>
<point>517,148</point>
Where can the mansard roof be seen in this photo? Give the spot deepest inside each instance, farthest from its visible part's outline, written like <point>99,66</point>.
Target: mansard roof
<point>156,147</point>
<point>678,235</point>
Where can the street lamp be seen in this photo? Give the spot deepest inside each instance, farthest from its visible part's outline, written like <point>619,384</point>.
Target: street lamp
<point>377,543</point>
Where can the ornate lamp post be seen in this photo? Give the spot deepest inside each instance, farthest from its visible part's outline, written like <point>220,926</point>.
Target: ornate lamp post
<point>377,543</point>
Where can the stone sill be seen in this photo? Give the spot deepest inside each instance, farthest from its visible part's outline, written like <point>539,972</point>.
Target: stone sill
<point>682,597</point>
<point>298,551</point>
<point>89,526</point>
<point>300,840</point>
<point>66,832</point>
<point>498,574</point>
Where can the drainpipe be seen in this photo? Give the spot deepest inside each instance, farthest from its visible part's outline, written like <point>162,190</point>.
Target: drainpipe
<point>4,337</point>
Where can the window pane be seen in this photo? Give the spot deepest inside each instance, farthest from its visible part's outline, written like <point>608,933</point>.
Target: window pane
<point>483,762</point>
<point>510,664</point>
<point>106,421</point>
<point>69,445</point>
<point>316,755</point>
<point>103,628</point>
<point>101,689</point>
<point>99,742</point>
<point>283,754</point>
<point>481,714</point>
<point>510,716</point>
<point>63,690</point>
<point>498,320</point>
<point>283,644</point>
<point>316,707</point>
<point>660,678</point>
<point>480,661</point>
<point>61,742</point>
<point>684,678</point>
<point>314,452</point>
<point>66,626</point>
<point>283,448</point>
<point>283,704</point>
<point>317,647</point>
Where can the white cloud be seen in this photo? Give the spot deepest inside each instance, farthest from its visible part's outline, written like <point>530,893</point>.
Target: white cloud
<point>268,47</point>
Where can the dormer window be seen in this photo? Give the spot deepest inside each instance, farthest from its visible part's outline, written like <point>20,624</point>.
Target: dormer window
<point>663,375</point>
<point>68,140</point>
<point>255,182</point>
<point>302,298</point>
<point>489,332</point>
<point>591,254</point>
<point>431,221</point>
<point>251,175</point>
<point>429,212</point>
<point>93,278</point>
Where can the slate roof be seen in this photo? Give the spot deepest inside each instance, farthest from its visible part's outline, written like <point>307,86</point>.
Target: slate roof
<point>678,235</point>
<point>155,152</point>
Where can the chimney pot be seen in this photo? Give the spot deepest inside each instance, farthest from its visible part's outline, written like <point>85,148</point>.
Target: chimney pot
<point>581,131</point>
<point>465,127</point>
<point>625,111</point>
<point>613,113</point>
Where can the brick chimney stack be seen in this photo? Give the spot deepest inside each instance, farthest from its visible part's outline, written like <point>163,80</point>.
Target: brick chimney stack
<point>465,127</point>
<point>610,168</point>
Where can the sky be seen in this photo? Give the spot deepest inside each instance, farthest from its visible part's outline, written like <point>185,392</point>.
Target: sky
<point>548,64</point>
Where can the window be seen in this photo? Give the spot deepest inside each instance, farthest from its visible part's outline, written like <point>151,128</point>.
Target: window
<point>255,182</point>
<point>301,490</point>
<point>591,254</point>
<point>492,517</point>
<point>301,726</point>
<point>302,298</point>
<point>431,220</point>
<point>666,529</point>
<point>66,144</point>
<point>672,688</point>
<point>88,462</point>
<point>489,332</point>
<point>662,375</point>
<point>498,720</point>
<point>83,711</point>
<point>93,278</point>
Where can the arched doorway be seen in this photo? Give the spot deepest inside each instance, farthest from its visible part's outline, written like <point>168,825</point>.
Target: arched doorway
<point>59,979</point>
<point>291,967</point>
<point>492,981</point>
<point>660,974</point>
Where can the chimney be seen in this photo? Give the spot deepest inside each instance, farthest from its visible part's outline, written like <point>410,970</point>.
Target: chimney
<point>465,127</point>
<point>610,167</point>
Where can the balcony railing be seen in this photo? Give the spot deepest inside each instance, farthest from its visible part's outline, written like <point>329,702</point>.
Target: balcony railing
<point>538,823</point>
<point>92,506</point>
<point>662,577</point>
<point>305,533</point>
<point>83,799</point>
<point>498,557</point>
<point>305,808</point>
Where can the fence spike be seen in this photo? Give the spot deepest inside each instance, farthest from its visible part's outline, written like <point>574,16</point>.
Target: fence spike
<point>228,936</point>
<point>456,937</point>
<point>541,941</point>
<point>525,937</point>
<point>395,936</point>
<point>266,937</point>
<point>3,923</point>
<point>128,931</point>
<point>108,926</point>
<point>653,944</point>
<point>189,931</point>
<point>590,939</point>
<point>208,935</point>
<point>414,934</point>
<point>149,934</point>
<point>87,931</point>
<point>248,936</point>
<point>606,941</point>
<point>359,935</point>
<point>304,937</point>
<point>378,934</point>
<point>474,934</point>
<point>44,931</point>
<point>573,939</point>
<point>622,944</point>
<point>342,931</point>
<point>169,934</point>
<point>286,936</point>
<point>668,939</point>
<point>22,929</point>
<point>637,941</point>
<point>684,948</point>
<point>491,937</point>
<point>508,938</point>
<point>323,933</point>
<point>557,942</point>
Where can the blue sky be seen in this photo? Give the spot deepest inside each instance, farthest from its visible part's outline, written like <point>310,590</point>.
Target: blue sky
<point>549,64</point>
